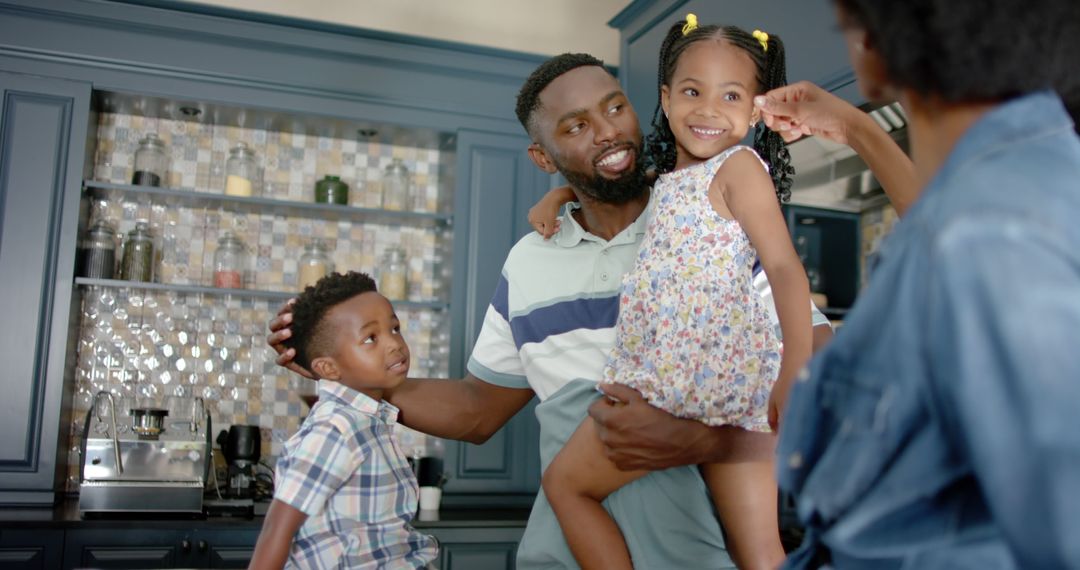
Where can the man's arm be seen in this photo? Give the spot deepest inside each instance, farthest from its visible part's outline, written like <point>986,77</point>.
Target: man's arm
<point>276,538</point>
<point>467,409</point>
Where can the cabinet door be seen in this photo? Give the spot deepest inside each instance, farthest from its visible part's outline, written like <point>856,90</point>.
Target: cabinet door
<point>228,548</point>
<point>477,548</point>
<point>127,548</point>
<point>43,126</point>
<point>497,185</point>
<point>31,550</point>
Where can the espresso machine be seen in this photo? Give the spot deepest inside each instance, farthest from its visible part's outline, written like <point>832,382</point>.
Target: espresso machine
<point>147,466</point>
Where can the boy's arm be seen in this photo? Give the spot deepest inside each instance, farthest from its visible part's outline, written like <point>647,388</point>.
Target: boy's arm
<point>544,215</point>
<point>276,538</point>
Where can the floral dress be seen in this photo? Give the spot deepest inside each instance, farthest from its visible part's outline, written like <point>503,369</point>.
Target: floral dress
<point>693,335</point>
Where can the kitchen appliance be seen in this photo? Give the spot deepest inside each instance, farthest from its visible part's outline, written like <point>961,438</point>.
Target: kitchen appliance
<point>242,448</point>
<point>145,467</point>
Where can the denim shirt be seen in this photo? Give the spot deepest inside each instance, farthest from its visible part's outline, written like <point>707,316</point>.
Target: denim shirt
<point>941,427</point>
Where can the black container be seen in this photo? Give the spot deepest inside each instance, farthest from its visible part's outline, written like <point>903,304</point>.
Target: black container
<point>241,444</point>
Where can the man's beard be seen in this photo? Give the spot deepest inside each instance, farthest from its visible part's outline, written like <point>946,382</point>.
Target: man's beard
<point>629,185</point>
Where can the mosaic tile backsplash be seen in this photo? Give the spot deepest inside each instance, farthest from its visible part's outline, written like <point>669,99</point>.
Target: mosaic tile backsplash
<point>876,224</point>
<point>145,345</point>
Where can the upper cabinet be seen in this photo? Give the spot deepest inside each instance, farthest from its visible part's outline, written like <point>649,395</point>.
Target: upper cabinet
<point>814,47</point>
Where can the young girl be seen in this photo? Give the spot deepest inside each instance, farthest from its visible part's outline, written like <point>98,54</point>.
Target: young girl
<point>693,336</point>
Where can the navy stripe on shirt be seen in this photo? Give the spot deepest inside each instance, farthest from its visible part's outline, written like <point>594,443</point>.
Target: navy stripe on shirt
<point>563,317</point>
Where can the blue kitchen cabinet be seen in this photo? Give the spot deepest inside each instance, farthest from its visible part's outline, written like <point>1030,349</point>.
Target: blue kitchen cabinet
<point>119,546</point>
<point>31,549</point>
<point>828,242</point>
<point>814,47</point>
<point>43,126</point>
<point>477,548</point>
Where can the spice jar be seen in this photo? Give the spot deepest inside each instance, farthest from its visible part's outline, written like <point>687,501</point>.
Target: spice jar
<point>97,252</point>
<point>331,190</point>
<point>241,172</point>
<point>314,264</point>
<point>138,261</point>
<point>229,262</point>
<point>150,161</point>
<point>392,282</point>
<point>395,186</point>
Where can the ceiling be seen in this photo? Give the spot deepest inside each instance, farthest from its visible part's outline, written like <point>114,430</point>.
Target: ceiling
<point>547,28</point>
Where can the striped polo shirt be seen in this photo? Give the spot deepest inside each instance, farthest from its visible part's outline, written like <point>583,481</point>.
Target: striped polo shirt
<point>552,317</point>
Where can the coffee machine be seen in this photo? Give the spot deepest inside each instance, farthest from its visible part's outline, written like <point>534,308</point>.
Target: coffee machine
<point>144,467</point>
<point>241,446</point>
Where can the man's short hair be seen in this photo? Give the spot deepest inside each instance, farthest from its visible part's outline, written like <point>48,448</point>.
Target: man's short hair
<point>528,99</point>
<point>311,337</point>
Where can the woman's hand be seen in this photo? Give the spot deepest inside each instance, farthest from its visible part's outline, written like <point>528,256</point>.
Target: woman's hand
<point>802,109</point>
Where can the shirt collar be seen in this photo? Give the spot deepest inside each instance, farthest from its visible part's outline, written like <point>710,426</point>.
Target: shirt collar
<point>571,233</point>
<point>1018,120</point>
<point>342,394</point>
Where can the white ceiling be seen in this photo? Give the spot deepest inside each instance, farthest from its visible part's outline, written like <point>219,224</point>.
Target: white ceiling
<point>549,27</point>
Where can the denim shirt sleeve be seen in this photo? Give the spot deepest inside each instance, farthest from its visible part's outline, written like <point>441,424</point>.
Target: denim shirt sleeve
<point>1003,319</point>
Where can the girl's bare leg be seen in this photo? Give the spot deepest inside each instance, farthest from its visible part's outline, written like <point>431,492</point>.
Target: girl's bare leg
<point>745,496</point>
<point>575,483</point>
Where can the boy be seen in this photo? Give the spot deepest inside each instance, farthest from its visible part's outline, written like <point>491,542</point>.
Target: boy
<point>344,494</point>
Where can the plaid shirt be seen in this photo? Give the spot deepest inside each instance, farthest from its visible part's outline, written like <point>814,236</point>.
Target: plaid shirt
<point>345,471</point>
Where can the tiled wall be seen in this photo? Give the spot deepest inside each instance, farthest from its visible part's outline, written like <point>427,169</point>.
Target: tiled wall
<point>153,344</point>
<point>876,224</point>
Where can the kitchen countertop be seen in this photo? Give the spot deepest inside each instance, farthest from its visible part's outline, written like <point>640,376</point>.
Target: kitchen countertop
<point>66,515</point>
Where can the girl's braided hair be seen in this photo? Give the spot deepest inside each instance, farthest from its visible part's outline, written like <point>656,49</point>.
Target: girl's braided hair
<point>771,73</point>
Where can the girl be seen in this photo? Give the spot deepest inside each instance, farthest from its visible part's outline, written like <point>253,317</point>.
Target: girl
<point>693,336</point>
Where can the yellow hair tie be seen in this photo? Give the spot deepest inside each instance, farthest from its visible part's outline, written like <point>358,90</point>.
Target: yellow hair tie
<point>691,24</point>
<point>763,38</point>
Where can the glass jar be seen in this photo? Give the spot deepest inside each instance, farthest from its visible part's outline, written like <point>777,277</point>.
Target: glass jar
<point>97,252</point>
<point>331,190</point>
<point>229,262</point>
<point>396,184</point>
<point>314,264</point>
<point>138,261</point>
<point>241,172</point>
<point>392,281</point>
<point>150,161</point>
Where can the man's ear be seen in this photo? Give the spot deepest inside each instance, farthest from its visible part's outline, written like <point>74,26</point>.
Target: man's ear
<point>541,158</point>
<point>325,367</point>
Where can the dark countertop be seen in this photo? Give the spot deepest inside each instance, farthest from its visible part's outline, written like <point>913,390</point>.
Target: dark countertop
<point>66,515</point>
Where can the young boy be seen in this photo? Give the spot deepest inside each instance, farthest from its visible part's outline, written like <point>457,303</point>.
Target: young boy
<point>344,494</point>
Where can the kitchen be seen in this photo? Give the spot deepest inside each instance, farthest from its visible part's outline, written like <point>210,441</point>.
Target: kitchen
<point>254,115</point>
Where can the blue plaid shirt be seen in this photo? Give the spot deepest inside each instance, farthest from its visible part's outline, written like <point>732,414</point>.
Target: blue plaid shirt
<point>345,471</point>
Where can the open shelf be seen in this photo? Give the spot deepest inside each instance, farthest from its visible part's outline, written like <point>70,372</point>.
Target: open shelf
<point>292,208</point>
<point>246,293</point>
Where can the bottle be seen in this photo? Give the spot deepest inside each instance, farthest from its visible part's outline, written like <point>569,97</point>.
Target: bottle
<point>229,262</point>
<point>331,190</point>
<point>138,261</point>
<point>97,252</point>
<point>314,264</point>
<point>395,186</point>
<point>392,282</point>
<point>241,172</point>
<point>150,161</point>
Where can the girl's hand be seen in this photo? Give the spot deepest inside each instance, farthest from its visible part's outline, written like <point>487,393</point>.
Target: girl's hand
<point>279,331</point>
<point>544,216</point>
<point>777,404</point>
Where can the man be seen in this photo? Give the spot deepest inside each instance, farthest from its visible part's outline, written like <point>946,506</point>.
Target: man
<point>549,329</point>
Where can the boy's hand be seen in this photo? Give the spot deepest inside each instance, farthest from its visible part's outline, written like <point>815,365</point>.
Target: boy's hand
<point>279,331</point>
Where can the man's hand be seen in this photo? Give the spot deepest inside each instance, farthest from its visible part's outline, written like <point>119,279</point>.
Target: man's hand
<point>802,109</point>
<point>637,435</point>
<point>279,331</point>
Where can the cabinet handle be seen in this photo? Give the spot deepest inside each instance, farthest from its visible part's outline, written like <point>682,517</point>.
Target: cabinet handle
<point>185,545</point>
<point>202,546</point>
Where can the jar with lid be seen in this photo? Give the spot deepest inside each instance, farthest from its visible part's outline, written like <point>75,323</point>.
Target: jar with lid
<point>331,190</point>
<point>97,252</point>
<point>229,262</point>
<point>392,281</point>
<point>314,264</point>
<point>137,263</point>
<point>396,184</point>
<point>241,171</point>
<point>150,161</point>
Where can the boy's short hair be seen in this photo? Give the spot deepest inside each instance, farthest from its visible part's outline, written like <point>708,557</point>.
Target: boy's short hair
<point>311,336</point>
